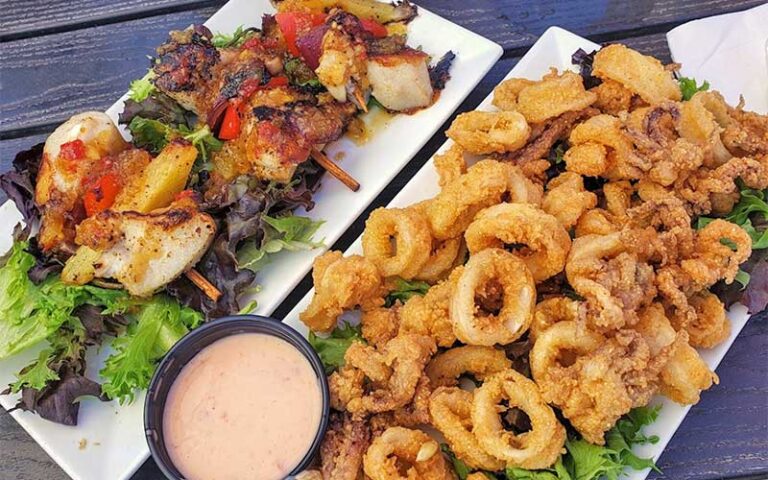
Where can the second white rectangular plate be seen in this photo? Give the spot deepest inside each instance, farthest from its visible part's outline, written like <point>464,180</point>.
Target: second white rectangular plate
<point>553,49</point>
<point>108,442</point>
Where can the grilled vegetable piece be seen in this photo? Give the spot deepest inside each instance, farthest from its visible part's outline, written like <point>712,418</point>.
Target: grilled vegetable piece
<point>400,81</point>
<point>160,182</point>
<point>143,252</point>
<point>71,155</point>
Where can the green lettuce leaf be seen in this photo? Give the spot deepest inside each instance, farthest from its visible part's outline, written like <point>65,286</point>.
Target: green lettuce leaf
<point>154,135</point>
<point>236,39</point>
<point>142,88</point>
<point>404,290</point>
<point>37,374</point>
<point>291,232</point>
<point>160,323</point>
<point>585,461</point>
<point>331,349</point>
<point>29,313</point>
<point>689,88</point>
<point>461,468</point>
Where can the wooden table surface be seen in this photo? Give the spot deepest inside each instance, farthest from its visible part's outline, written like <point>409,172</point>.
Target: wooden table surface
<point>59,57</point>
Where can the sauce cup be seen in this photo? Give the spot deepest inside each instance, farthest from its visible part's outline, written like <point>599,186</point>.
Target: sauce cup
<point>195,341</point>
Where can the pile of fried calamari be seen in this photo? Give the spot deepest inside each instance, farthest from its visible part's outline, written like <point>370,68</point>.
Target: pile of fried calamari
<point>570,289</point>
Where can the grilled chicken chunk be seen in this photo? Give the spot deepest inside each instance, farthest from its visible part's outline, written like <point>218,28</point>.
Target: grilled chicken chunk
<point>72,154</point>
<point>400,81</point>
<point>185,66</point>
<point>143,252</point>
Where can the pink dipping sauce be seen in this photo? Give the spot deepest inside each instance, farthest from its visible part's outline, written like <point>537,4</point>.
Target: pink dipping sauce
<point>247,406</point>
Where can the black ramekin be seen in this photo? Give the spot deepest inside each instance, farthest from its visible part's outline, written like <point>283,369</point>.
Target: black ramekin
<point>192,343</point>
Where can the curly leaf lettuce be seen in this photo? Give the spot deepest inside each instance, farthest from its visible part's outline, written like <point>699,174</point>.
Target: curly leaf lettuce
<point>689,88</point>
<point>404,290</point>
<point>36,375</point>
<point>291,232</point>
<point>29,313</point>
<point>160,323</point>
<point>331,349</point>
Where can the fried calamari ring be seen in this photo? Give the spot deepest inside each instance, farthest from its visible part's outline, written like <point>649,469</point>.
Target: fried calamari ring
<point>413,451</point>
<point>719,249</point>
<point>595,222</point>
<point>553,310</point>
<point>567,199</point>
<point>554,95</point>
<point>684,375</point>
<point>590,159</point>
<point>410,231</point>
<point>546,240</point>
<point>488,132</point>
<point>430,315</point>
<point>445,368</point>
<point>538,448</point>
<point>520,188</point>
<point>451,411</point>
<point>450,165</point>
<point>405,356</point>
<point>545,356</point>
<point>453,209</point>
<point>341,283</point>
<point>505,94</point>
<point>711,326</point>
<point>505,288</point>
<point>445,255</point>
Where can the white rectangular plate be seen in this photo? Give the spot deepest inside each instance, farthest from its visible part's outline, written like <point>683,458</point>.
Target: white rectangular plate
<point>113,435</point>
<point>553,49</point>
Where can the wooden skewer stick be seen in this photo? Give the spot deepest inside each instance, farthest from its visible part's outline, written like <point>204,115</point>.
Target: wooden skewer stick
<point>203,284</point>
<point>335,170</point>
<point>360,100</point>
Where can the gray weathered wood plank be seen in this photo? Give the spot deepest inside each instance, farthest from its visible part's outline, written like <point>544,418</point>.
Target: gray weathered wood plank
<point>46,79</point>
<point>35,18</point>
<point>101,61</point>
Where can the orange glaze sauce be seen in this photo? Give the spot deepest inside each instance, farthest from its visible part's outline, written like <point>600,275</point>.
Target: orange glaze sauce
<point>246,406</point>
<point>363,127</point>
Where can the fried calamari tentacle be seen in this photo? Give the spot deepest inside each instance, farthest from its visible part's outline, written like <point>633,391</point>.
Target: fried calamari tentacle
<point>711,326</point>
<point>613,281</point>
<point>451,410</point>
<point>553,310</point>
<point>567,199</point>
<point>445,368</point>
<point>429,315</point>
<point>341,284</point>
<point>406,356</point>
<point>344,385</point>
<point>594,380</point>
<point>487,132</point>
<point>538,448</point>
<point>453,209</point>
<point>546,241</point>
<point>411,451</point>
<point>344,445</point>
<point>660,231</point>
<point>503,286</point>
<point>380,325</point>
<point>409,230</point>
<point>684,374</point>
<point>417,412</point>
